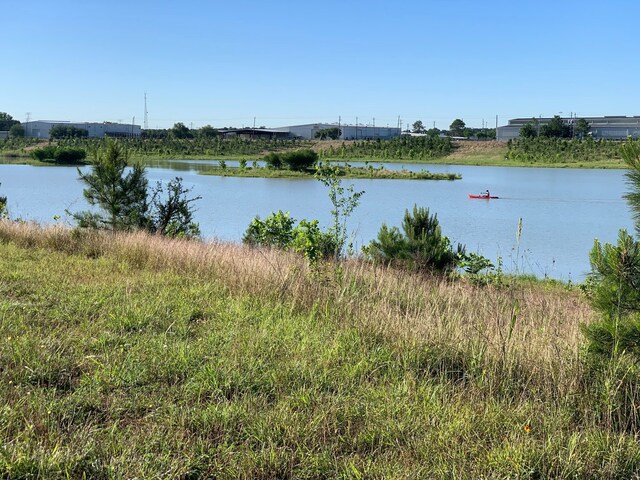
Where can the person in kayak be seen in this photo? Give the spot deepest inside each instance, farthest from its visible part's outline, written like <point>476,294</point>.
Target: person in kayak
<point>486,194</point>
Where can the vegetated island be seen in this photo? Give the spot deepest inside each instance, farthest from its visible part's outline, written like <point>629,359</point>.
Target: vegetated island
<point>346,171</point>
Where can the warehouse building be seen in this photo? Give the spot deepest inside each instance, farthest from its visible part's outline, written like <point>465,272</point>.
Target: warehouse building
<point>608,127</point>
<point>347,132</point>
<point>41,128</point>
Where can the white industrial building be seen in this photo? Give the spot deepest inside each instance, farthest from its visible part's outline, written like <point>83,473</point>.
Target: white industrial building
<point>41,128</point>
<point>608,127</point>
<point>348,132</point>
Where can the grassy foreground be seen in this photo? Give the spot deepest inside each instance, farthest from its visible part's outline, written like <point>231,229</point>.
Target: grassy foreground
<point>130,356</point>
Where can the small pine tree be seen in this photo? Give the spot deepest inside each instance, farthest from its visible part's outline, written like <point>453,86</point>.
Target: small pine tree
<point>421,246</point>
<point>122,198</point>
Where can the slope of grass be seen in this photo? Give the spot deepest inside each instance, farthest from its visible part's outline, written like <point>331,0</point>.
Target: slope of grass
<point>132,356</point>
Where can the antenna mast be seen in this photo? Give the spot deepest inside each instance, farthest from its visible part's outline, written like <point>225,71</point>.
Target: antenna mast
<point>146,114</point>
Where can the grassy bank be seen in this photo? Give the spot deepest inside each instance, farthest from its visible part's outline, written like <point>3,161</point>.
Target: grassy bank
<point>133,356</point>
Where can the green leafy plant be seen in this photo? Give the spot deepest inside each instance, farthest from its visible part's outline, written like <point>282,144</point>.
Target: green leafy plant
<point>344,202</point>
<point>172,214</point>
<point>279,230</point>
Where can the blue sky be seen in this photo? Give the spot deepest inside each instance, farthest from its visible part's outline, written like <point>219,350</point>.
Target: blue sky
<point>287,62</point>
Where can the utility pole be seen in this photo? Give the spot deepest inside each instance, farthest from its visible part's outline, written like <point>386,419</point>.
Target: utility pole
<point>356,128</point>
<point>26,128</point>
<point>146,114</point>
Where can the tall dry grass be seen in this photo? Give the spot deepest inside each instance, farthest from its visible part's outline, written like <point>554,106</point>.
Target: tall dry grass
<point>523,338</point>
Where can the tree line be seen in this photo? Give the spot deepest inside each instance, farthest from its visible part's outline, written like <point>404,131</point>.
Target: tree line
<point>457,129</point>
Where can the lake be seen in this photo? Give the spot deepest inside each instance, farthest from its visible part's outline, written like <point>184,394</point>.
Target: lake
<point>562,210</point>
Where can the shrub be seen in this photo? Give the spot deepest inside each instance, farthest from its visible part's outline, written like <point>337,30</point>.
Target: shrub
<point>273,160</point>
<point>44,153</point>
<point>69,155</point>
<point>421,247</point>
<point>278,230</point>
<point>60,155</point>
<point>274,231</point>
<point>300,160</point>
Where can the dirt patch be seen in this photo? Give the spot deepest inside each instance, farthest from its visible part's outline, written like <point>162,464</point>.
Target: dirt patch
<point>464,148</point>
<point>327,144</point>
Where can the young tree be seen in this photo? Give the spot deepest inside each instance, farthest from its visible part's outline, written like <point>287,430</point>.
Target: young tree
<point>6,121</point>
<point>457,127</point>
<point>420,247</point>
<point>17,131</point>
<point>582,128</point>
<point>122,198</point>
<point>207,132</point>
<point>344,202</point>
<point>332,133</point>
<point>173,215</point>
<point>615,277</point>
<point>67,131</point>
<point>555,128</point>
<point>418,127</point>
<point>180,130</point>
<point>528,130</point>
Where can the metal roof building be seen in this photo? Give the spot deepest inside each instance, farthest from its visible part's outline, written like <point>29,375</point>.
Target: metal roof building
<point>41,128</point>
<point>607,127</point>
<point>347,132</point>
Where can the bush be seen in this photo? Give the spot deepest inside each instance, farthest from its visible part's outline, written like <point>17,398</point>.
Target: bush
<point>298,160</point>
<point>273,160</point>
<point>278,230</point>
<point>421,248</point>
<point>44,153</point>
<point>69,155</point>
<point>60,155</point>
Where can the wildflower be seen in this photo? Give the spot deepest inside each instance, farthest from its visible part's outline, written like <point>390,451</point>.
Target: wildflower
<point>527,428</point>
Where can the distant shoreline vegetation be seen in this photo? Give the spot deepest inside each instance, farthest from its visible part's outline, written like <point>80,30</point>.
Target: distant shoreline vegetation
<point>346,171</point>
<point>525,152</point>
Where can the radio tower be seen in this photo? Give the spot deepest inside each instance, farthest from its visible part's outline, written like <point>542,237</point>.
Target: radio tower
<point>146,114</point>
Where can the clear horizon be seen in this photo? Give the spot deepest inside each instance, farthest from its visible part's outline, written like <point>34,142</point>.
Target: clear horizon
<point>284,62</point>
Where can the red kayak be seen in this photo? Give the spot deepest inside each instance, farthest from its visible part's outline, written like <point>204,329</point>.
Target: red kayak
<point>483,197</point>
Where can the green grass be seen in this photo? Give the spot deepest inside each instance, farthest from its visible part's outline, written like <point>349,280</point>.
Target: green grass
<point>349,172</point>
<point>134,357</point>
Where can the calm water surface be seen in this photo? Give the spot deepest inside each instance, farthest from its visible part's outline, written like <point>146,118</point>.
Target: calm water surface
<point>562,210</point>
